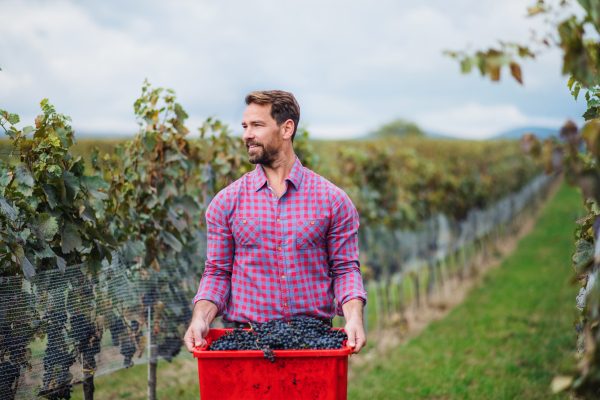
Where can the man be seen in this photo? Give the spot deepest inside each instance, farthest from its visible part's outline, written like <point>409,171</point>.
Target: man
<point>282,240</point>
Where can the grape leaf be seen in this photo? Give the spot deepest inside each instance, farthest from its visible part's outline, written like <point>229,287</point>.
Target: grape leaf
<point>46,253</point>
<point>71,239</point>
<point>24,177</point>
<point>132,250</point>
<point>172,241</point>
<point>99,195</point>
<point>149,141</point>
<point>95,183</point>
<point>181,115</point>
<point>62,264</point>
<point>50,194</point>
<point>7,209</point>
<point>5,177</point>
<point>28,268</point>
<point>71,183</point>
<point>187,204</point>
<point>44,226</point>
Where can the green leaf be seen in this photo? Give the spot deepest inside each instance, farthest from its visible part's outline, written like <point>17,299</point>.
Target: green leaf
<point>27,130</point>
<point>181,129</point>
<point>591,113</point>
<point>571,82</point>
<point>44,226</point>
<point>187,204</point>
<point>25,190</point>
<point>575,92</point>
<point>62,135</point>
<point>99,195</point>
<point>584,256</point>
<point>7,209</point>
<point>88,213</point>
<point>26,206</point>
<point>61,264</point>
<point>95,183</point>
<point>71,240</point>
<point>28,268</point>
<point>17,250</point>
<point>50,194</point>
<point>108,238</point>
<point>5,177</point>
<point>93,232</point>
<point>593,103</point>
<point>165,191</point>
<point>95,157</point>
<point>149,141</point>
<point>24,177</point>
<point>181,115</point>
<point>132,250</point>
<point>72,184</point>
<point>179,224</point>
<point>13,119</point>
<point>46,253</point>
<point>171,240</point>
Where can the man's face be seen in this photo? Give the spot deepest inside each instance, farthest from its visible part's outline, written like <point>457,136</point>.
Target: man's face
<point>262,136</point>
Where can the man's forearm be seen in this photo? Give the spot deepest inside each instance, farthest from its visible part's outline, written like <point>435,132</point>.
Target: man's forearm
<point>205,310</point>
<point>353,309</point>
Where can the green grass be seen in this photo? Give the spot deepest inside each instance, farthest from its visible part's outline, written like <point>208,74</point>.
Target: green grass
<point>507,340</point>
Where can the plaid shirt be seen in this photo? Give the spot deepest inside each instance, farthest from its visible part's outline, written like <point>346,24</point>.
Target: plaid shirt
<point>276,258</point>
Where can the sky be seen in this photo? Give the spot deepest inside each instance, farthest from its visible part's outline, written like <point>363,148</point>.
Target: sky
<point>352,65</point>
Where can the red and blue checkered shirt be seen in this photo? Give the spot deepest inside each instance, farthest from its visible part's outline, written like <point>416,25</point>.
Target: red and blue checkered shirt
<point>276,258</point>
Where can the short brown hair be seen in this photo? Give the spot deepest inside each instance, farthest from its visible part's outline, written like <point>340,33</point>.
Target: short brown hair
<point>283,106</point>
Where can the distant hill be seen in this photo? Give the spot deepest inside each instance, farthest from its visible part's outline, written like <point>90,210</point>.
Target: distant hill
<point>515,134</point>
<point>441,136</point>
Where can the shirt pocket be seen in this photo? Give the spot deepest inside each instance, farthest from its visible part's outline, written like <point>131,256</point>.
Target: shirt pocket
<point>310,232</point>
<point>246,232</point>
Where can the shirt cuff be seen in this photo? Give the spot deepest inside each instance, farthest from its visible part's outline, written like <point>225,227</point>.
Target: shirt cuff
<point>221,305</point>
<point>351,296</point>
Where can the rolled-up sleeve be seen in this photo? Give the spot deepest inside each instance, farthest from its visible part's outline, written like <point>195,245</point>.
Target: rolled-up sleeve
<point>215,285</point>
<point>342,242</point>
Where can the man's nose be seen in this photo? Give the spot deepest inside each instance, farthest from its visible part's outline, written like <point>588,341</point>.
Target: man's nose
<point>248,134</point>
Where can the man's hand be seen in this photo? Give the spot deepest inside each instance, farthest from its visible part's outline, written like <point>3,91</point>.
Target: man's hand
<point>353,312</point>
<point>204,314</point>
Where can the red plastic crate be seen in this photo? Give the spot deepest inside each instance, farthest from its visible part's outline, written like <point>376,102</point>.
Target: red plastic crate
<point>295,374</point>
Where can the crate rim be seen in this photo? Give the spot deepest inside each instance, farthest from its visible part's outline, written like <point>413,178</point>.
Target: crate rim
<point>203,352</point>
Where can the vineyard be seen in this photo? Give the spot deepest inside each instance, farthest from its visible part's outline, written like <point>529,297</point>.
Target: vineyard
<point>103,242</point>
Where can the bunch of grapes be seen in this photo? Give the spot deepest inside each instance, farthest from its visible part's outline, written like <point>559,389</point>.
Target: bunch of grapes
<point>58,359</point>
<point>297,334</point>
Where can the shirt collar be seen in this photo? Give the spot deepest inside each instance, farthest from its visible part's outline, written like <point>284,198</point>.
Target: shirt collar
<point>295,176</point>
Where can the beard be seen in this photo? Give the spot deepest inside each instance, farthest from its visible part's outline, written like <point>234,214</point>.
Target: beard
<point>263,154</point>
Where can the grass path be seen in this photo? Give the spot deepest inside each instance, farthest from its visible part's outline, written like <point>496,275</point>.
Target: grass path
<point>510,336</point>
<point>506,341</point>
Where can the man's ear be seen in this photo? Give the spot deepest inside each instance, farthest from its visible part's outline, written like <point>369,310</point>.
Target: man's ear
<point>288,129</point>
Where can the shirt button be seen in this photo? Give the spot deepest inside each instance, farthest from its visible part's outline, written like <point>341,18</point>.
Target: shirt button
<point>279,248</point>
<point>278,220</point>
<point>311,222</point>
<point>285,304</point>
<point>244,221</point>
<point>282,276</point>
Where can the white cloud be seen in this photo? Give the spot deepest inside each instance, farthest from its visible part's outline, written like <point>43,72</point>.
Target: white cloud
<point>353,65</point>
<point>477,121</point>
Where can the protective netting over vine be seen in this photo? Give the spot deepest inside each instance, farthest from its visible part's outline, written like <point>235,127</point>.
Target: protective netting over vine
<point>74,323</point>
<point>388,251</point>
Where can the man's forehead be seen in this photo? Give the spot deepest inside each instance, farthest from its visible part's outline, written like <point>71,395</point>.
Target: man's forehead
<point>257,113</point>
